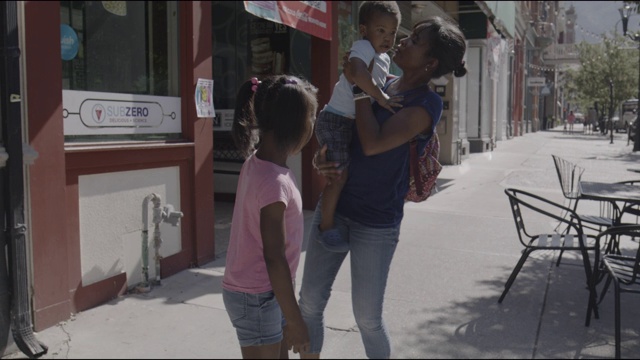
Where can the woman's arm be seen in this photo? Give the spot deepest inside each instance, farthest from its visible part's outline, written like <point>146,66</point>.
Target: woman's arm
<point>397,130</point>
<point>272,229</point>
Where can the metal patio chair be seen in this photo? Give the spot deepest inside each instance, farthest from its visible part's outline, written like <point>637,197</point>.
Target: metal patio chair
<point>569,175</point>
<point>622,270</point>
<point>529,211</point>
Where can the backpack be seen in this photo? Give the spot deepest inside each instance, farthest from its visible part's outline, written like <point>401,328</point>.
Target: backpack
<point>423,170</point>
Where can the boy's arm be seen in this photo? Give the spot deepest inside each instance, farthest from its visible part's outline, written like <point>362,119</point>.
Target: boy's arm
<point>362,77</point>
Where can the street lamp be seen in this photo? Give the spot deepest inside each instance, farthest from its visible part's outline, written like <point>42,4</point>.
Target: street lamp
<point>611,109</point>
<point>625,12</point>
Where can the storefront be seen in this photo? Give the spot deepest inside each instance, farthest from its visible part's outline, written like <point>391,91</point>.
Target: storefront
<point>113,122</point>
<point>116,122</point>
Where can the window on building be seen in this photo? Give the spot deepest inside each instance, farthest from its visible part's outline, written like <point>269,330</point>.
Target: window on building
<point>123,56</point>
<point>245,45</point>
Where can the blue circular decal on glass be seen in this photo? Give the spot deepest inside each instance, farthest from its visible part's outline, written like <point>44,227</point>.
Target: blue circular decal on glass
<point>68,42</point>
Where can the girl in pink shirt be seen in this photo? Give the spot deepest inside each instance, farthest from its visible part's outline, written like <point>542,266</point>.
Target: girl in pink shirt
<point>267,225</point>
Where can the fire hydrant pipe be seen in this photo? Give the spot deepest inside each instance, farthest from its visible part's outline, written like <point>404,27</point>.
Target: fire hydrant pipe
<point>157,241</point>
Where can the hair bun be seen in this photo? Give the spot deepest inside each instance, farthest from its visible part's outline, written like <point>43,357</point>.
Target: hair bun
<point>460,70</point>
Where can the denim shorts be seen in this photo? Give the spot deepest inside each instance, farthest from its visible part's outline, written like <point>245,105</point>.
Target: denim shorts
<point>257,318</point>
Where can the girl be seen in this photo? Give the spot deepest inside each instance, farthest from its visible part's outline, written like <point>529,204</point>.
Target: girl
<point>267,227</point>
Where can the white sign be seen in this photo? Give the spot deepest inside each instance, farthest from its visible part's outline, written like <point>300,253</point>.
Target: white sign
<point>98,113</point>
<point>204,98</point>
<point>536,81</point>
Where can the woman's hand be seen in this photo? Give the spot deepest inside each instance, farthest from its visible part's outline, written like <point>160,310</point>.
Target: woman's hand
<point>325,168</point>
<point>389,102</point>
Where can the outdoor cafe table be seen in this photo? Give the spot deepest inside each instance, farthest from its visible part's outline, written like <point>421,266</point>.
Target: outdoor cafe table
<point>610,192</point>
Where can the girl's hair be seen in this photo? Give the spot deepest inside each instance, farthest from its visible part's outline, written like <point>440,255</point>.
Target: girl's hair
<point>368,8</point>
<point>447,44</point>
<point>283,104</point>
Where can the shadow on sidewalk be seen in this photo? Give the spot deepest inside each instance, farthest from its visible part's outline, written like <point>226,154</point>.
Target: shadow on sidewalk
<point>517,328</point>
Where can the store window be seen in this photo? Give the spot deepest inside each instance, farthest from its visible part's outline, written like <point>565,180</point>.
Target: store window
<point>120,70</point>
<point>244,46</point>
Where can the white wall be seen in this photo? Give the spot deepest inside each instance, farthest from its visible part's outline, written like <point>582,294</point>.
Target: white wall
<point>474,89</point>
<point>110,207</point>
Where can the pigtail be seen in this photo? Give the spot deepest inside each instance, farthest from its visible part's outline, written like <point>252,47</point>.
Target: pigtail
<point>244,130</point>
<point>282,105</point>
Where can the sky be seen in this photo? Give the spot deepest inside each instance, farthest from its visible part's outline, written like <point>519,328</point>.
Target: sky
<point>598,17</point>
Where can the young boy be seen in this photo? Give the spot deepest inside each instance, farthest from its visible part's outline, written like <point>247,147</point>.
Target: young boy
<point>378,23</point>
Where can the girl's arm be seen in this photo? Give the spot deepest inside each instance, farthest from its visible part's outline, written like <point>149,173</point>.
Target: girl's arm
<point>272,229</point>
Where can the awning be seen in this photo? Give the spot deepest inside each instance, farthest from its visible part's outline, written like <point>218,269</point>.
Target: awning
<point>312,17</point>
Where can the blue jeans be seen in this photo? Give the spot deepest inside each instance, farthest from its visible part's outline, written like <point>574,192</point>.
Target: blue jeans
<point>371,250</point>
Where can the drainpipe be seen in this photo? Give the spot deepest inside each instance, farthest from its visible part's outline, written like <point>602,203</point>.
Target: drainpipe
<point>13,188</point>
<point>166,214</point>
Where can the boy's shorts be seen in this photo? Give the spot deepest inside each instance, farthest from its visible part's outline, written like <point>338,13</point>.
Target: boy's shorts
<point>335,131</point>
<point>257,318</point>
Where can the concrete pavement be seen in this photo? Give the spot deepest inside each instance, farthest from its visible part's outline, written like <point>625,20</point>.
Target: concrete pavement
<point>456,251</point>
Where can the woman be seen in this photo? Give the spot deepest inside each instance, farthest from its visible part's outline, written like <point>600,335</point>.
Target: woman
<point>371,204</point>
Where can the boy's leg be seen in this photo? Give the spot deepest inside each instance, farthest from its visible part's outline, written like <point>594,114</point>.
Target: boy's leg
<point>330,196</point>
<point>330,236</point>
<point>337,131</point>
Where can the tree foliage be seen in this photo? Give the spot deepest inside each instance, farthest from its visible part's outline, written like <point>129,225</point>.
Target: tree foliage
<point>614,59</point>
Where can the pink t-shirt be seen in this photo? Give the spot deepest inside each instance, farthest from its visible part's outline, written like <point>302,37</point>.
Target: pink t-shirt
<point>261,183</point>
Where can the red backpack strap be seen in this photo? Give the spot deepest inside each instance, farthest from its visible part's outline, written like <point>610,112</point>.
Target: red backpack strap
<point>414,167</point>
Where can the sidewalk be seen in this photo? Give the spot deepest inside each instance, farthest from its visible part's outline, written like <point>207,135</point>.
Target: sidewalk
<point>456,251</point>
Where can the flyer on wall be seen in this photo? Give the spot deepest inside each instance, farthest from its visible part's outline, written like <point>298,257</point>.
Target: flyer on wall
<point>204,98</point>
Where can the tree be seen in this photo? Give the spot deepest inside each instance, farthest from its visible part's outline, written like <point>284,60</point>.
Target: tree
<point>614,59</point>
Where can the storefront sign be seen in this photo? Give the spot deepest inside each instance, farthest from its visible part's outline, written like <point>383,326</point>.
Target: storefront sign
<point>536,81</point>
<point>312,17</point>
<point>98,113</point>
